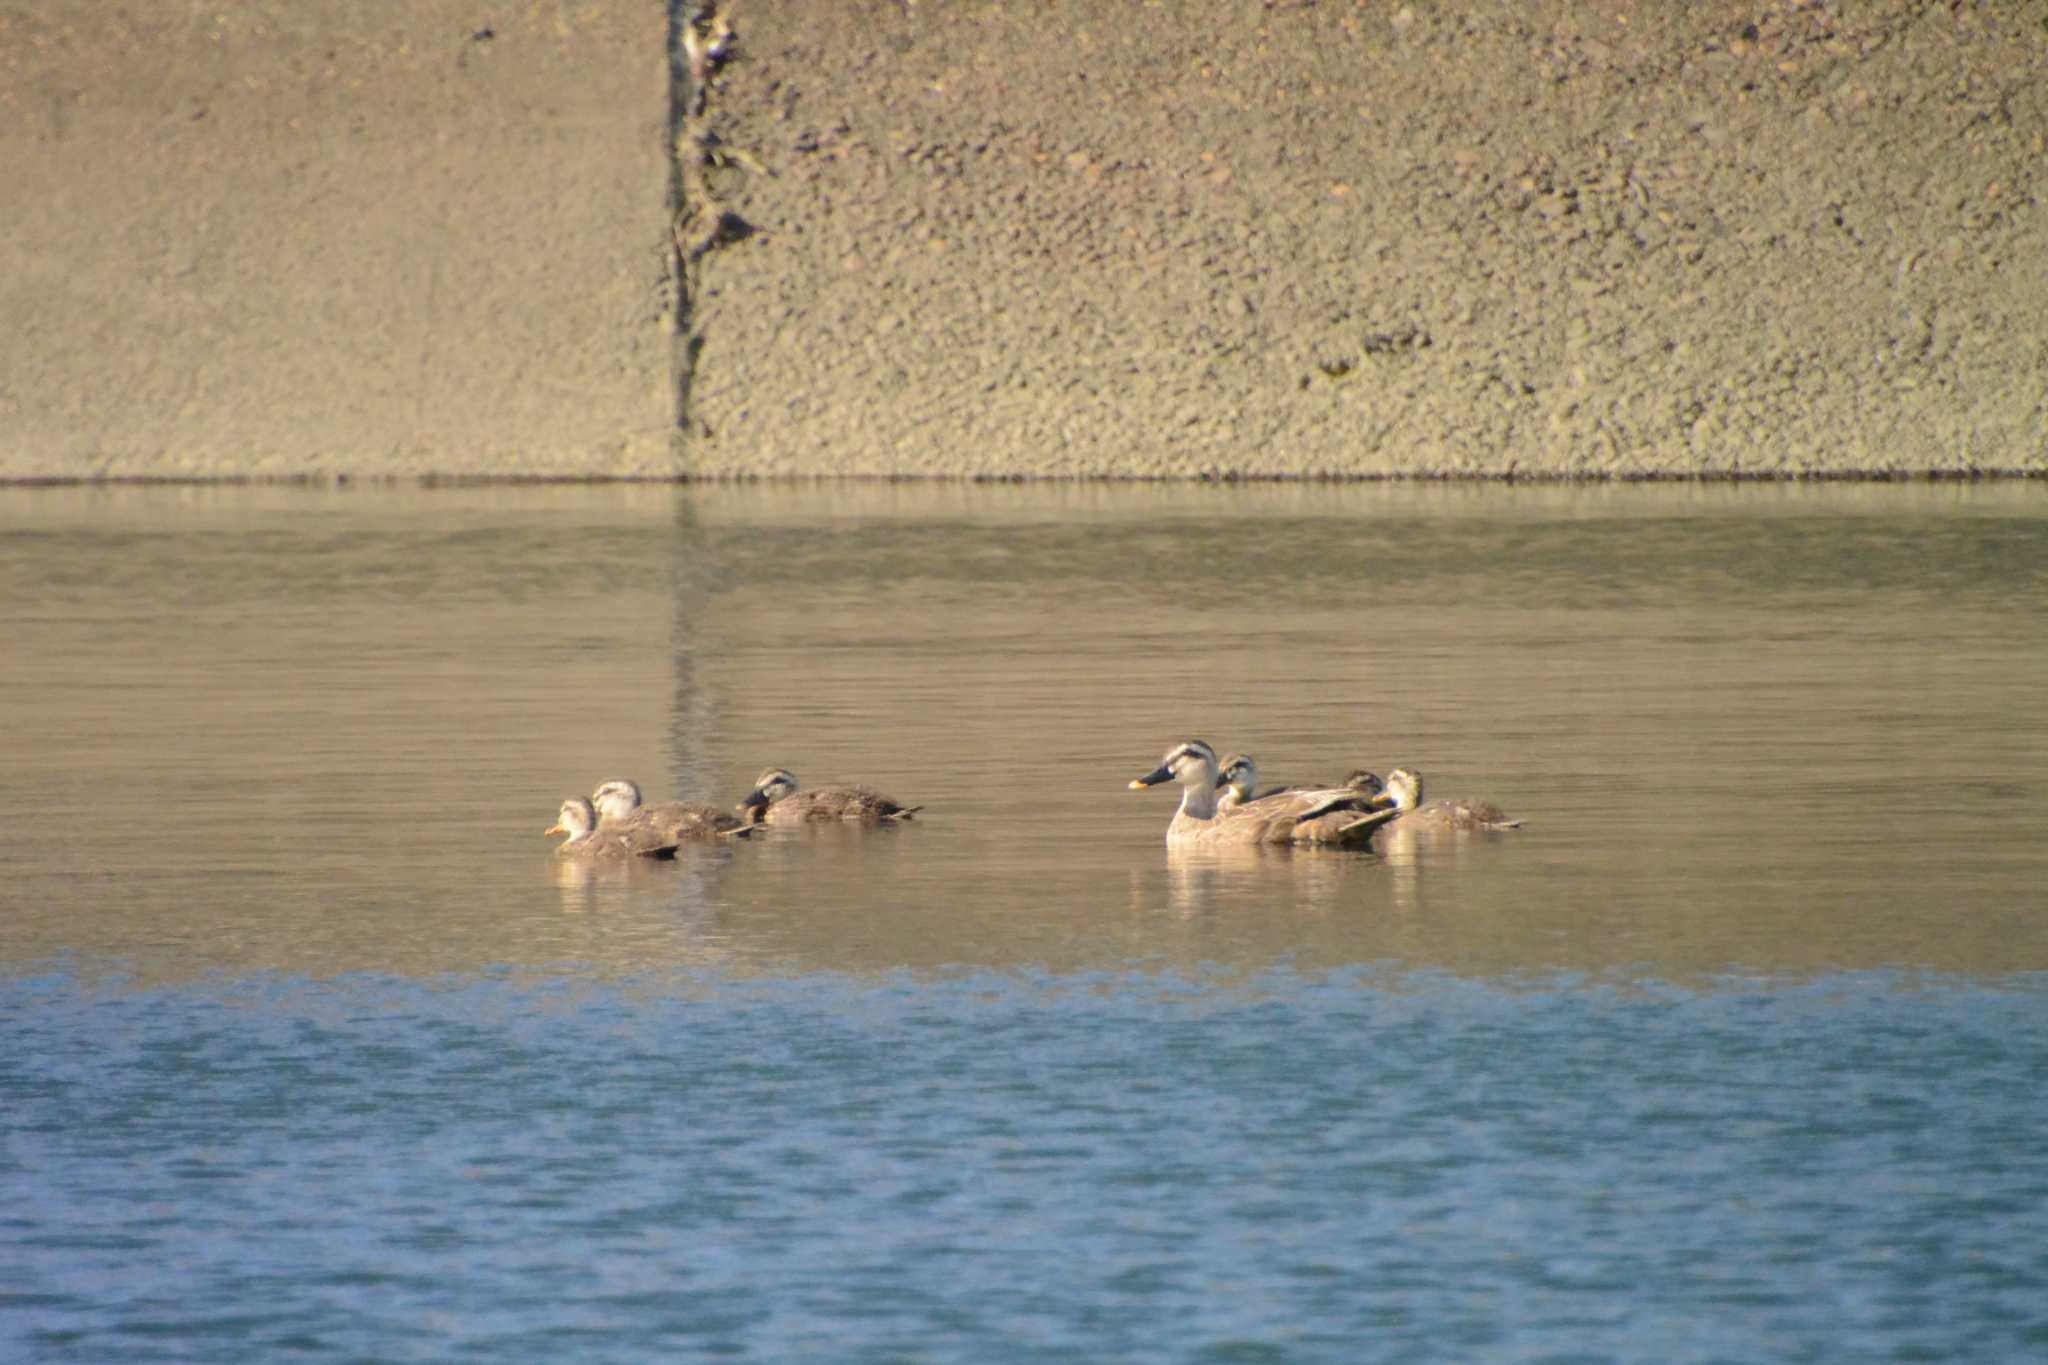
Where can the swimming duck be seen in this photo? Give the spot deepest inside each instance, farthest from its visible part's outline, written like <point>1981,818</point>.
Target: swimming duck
<point>1326,812</point>
<point>578,820</point>
<point>1239,777</point>
<point>618,807</point>
<point>1404,794</point>
<point>1329,816</point>
<point>1365,780</point>
<point>775,800</point>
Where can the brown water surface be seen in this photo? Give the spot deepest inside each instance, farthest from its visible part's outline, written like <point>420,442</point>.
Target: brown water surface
<point>1752,730</point>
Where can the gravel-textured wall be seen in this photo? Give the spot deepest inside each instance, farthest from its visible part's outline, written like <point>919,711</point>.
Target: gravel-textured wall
<point>302,237</point>
<point>1373,238</point>
<point>1090,238</point>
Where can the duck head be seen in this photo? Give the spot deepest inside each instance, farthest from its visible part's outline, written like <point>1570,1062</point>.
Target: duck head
<point>771,786</point>
<point>616,799</point>
<point>1192,764</point>
<point>577,819</point>
<point>1403,789</point>
<point>1237,779</point>
<point>1364,780</point>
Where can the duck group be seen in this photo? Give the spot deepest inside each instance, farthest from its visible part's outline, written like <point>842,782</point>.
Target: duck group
<point>1221,806</point>
<point>612,825</point>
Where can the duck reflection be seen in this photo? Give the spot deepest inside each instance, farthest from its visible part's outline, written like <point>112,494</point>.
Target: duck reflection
<point>1231,877</point>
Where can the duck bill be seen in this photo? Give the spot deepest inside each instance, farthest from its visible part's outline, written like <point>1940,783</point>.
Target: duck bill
<point>1162,773</point>
<point>754,809</point>
<point>554,829</point>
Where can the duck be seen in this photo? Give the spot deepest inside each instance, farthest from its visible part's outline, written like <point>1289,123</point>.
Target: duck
<point>1365,780</point>
<point>618,807</point>
<point>1326,816</point>
<point>578,820</point>
<point>1238,777</point>
<point>776,800</point>
<point>1404,794</point>
<point>1339,806</point>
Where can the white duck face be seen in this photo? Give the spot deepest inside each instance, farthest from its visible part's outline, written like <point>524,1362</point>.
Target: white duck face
<point>1237,780</point>
<point>771,786</point>
<point>576,819</point>
<point>616,799</point>
<point>1193,765</point>
<point>1403,789</point>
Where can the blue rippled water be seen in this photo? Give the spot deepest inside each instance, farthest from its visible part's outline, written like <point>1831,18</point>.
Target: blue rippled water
<point>1354,1165</point>
<point>311,1050</point>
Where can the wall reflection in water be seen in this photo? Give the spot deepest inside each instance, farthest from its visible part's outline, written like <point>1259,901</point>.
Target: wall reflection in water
<point>1751,729</point>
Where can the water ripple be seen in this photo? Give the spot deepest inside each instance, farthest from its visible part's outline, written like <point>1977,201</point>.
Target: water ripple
<point>1345,1165</point>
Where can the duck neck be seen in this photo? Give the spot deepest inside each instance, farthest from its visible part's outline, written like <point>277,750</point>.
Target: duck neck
<point>1198,800</point>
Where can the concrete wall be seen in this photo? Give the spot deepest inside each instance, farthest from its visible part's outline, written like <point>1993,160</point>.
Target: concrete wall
<point>1382,239</point>
<point>280,238</point>
<point>1095,238</point>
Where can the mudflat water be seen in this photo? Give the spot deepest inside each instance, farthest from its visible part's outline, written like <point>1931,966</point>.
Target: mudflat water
<point>309,1050</point>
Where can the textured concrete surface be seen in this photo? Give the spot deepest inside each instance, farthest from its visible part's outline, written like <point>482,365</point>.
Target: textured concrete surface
<point>998,239</point>
<point>283,238</point>
<point>1381,239</point>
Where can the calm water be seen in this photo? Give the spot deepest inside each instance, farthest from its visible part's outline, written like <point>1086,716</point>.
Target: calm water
<point>1735,1053</point>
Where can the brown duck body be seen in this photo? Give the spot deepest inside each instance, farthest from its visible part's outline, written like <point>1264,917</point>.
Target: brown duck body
<point>1296,813</point>
<point>1404,794</point>
<point>777,800</point>
<point>685,820</point>
<point>1352,826</point>
<point>1229,798</point>
<point>1276,820</point>
<point>607,844</point>
<point>1334,816</point>
<point>618,807</point>
<point>831,803</point>
<point>1444,816</point>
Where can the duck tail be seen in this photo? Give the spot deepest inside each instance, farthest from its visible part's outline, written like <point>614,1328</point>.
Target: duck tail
<point>1362,829</point>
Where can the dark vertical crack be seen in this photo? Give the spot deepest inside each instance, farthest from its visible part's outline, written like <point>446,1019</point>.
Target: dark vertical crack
<point>682,95</point>
<point>700,37</point>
